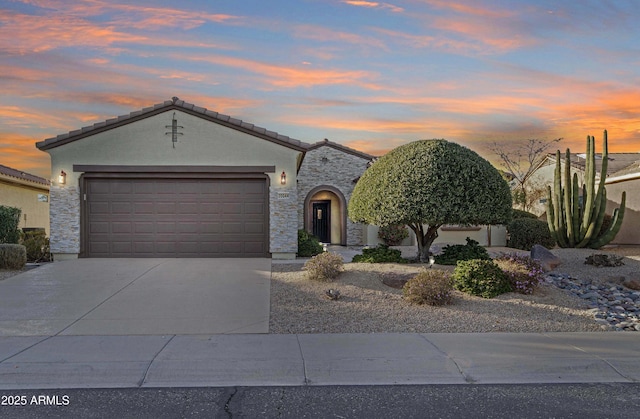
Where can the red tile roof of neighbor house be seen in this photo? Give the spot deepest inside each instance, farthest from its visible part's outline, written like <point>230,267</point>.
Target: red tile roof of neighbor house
<point>173,104</point>
<point>18,174</point>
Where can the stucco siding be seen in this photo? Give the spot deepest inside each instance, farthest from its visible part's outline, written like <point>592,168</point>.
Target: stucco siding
<point>35,212</point>
<point>144,143</point>
<point>629,232</point>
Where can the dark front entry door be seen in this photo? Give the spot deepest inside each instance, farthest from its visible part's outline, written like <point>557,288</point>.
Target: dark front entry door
<point>322,220</point>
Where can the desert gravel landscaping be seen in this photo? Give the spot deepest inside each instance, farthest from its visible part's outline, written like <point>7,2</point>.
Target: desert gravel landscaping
<point>367,305</point>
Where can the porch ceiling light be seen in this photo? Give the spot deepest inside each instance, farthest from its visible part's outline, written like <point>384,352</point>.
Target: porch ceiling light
<point>62,177</point>
<point>283,178</point>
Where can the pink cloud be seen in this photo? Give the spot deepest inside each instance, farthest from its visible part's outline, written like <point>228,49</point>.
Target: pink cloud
<point>374,5</point>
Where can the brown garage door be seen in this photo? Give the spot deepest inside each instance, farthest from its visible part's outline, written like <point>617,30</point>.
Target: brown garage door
<point>176,218</point>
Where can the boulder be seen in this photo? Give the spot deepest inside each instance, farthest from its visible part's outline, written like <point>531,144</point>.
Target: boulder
<point>632,283</point>
<point>547,260</point>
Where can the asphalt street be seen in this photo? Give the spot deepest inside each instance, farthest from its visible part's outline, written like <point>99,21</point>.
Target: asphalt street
<point>617,400</point>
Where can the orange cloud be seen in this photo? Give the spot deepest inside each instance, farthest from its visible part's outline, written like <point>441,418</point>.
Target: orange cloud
<point>19,152</point>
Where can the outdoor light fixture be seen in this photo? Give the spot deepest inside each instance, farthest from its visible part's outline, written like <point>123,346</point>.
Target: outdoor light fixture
<point>432,260</point>
<point>62,177</point>
<point>283,178</point>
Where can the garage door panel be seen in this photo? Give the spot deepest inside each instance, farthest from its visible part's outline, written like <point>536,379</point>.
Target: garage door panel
<point>176,218</point>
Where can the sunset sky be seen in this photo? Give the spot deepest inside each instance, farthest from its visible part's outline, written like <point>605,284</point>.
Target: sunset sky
<point>370,75</point>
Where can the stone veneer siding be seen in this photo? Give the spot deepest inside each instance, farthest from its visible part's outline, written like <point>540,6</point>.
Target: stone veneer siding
<point>339,170</point>
<point>64,208</point>
<point>282,220</point>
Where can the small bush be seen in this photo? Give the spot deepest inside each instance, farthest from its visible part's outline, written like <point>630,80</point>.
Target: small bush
<point>480,277</point>
<point>525,232</point>
<point>12,256</point>
<point>380,254</point>
<point>433,287</point>
<point>451,254</point>
<point>308,245</point>
<point>325,266</point>
<point>9,220</point>
<point>517,214</point>
<point>523,272</point>
<point>37,244</point>
<point>393,234</point>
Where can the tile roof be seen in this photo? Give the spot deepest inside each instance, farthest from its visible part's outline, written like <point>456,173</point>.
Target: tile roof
<point>617,161</point>
<point>173,104</point>
<point>18,174</point>
<point>341,147</point>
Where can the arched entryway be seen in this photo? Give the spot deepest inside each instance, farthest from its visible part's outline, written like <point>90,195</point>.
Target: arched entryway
<point>325,214</point>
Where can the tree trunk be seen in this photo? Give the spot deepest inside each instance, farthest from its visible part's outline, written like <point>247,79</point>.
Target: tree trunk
<point>425,239</point>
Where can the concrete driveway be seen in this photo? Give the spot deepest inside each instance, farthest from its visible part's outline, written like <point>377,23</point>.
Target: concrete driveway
<point>138,297</point>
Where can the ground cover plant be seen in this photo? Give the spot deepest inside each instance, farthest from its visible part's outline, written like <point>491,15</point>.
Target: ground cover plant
<point>479,277</point>
<point>451,254</point>
<point>524,273</point>
<point>380,254</point>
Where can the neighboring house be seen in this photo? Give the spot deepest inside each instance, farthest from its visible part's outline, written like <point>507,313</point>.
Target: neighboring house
<point>177,180</point>
<point>28,192</point>
<point>623,174</point>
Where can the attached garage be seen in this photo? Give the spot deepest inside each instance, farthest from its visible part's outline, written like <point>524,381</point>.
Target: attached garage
<point>173,180</point>
<point>144,216</point>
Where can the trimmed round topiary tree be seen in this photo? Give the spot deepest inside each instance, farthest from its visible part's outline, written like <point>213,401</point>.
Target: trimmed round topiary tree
<point>426,184</point>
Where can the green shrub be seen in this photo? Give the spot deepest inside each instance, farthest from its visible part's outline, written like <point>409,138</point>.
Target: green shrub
<point>325,266</point>
<point>380,254</point>
<point>433,287</point>
<point>451,254</point>
<point>525,232</point>
<point>523,272</point>
<point>308,245</point>
<point>37,245</point>
<point>12,256</point>
<point>517,214</point>
<point>393,234</point>
<point>9,220</point>
<point>480,277</point>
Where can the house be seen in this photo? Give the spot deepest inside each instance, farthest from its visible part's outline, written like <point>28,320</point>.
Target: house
<point>623,174</point>
<point>28,192</point>
<point>178,180</point>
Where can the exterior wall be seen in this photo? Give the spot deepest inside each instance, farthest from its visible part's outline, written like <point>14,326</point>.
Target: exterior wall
<point>339,170</point>
<point>629,233</point>
<point>282,213</point>
<point>24,195</point>
<point>448,235</point>
<point>144,143</point>
<point>65,221</point>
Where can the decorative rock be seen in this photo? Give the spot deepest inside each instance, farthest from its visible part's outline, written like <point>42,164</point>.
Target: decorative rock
<point>632,283</point>
<point>547,260</point>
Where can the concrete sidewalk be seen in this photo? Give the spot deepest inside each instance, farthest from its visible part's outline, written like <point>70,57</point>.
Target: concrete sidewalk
<point>32,362</point>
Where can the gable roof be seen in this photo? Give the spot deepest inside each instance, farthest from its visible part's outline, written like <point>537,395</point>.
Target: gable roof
<point>173,104</point>
<point>24,176</point>
<point>342,148</point>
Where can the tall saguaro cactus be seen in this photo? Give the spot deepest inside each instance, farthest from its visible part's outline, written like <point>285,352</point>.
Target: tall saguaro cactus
<point>572,224</point>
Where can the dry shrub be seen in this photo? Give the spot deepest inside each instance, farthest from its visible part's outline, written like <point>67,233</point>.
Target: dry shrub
<point>324,267</point>
<point>433,287</point>
<point>12,256</point>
